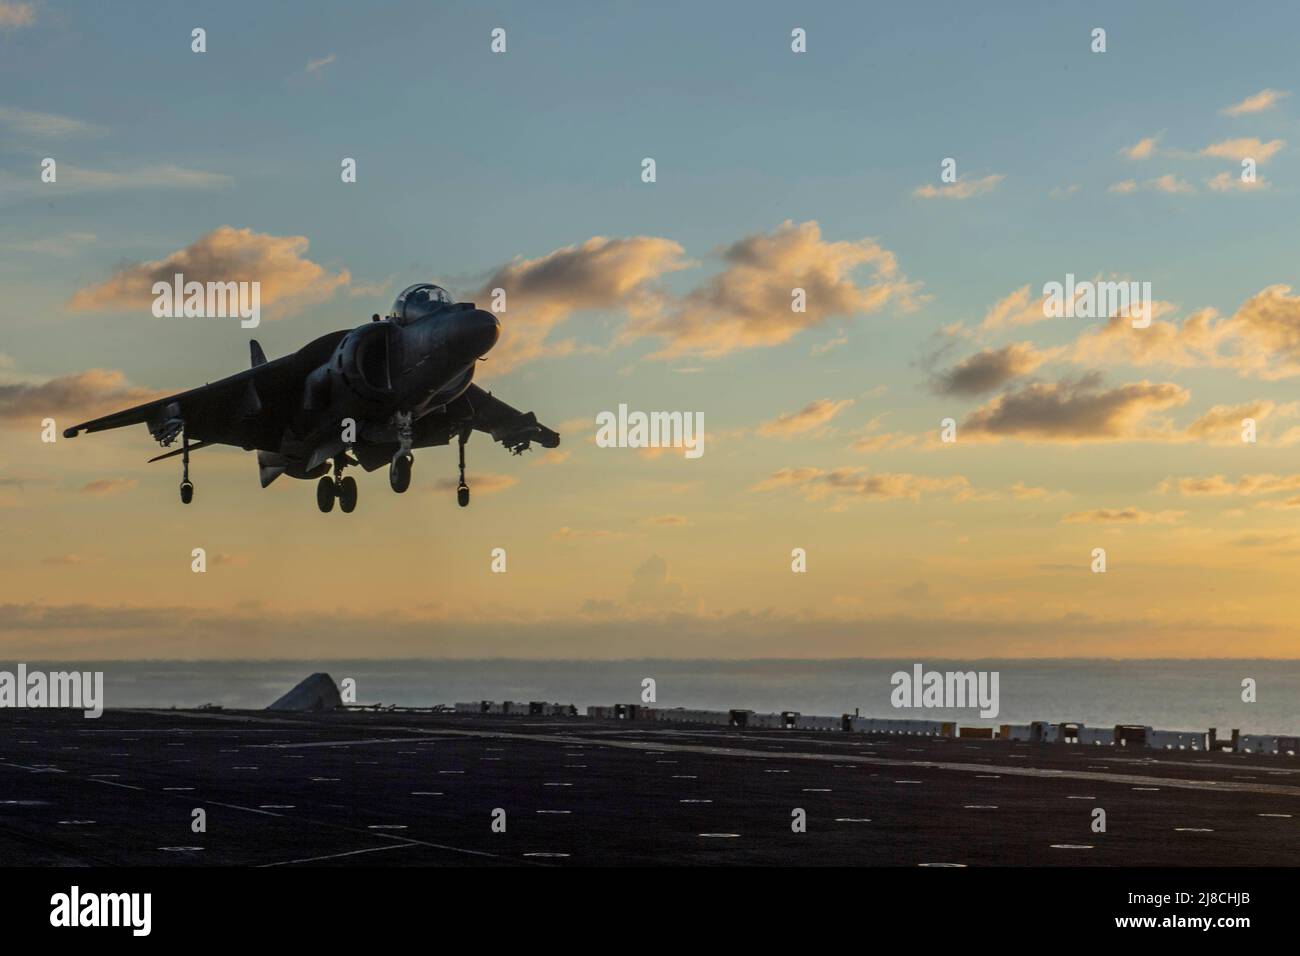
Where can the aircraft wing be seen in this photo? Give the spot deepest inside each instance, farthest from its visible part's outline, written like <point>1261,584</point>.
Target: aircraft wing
<point>507,425</point>
<point>193,407</point>
<point>249,409</point>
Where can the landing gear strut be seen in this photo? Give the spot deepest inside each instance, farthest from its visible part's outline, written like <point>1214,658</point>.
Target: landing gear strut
<point>399,471</point>
<point>462,489</point>
<point>187,486</point>
<point>346,487</point>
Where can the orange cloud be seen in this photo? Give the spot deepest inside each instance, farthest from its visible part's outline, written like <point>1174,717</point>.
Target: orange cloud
<point>600,273</point>
<point>556,456</point>
<point>1262,338</point>
<point>1245,147</point>
<point>1024,492</point>
<point>811,416</point>
<point>884,441</point>
<point>990,369</point>
<point>1222,423</point>
<point>1018,308</point>
<point>1168,183</point>
<point>1072,411</point>
<point>1128,515</point>
<point>16,15</point>
<point>568,534</point>
<point>481,483</point>
<point>1225,182</point>
<point>1191,343</point>
<point>667,521</point>
<point>1246,485</point>
<point>749,304</point>
<point>816,484</point>
<point>962,189</point>
<point>289,281</point>
<point>86,394</point>
<point>102,487</point>
<point>1265,99</point>
<point>1144,148</point>
<point>1268,327</point>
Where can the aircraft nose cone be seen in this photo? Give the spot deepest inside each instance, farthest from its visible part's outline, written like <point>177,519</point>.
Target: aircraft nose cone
<point>481,330</point>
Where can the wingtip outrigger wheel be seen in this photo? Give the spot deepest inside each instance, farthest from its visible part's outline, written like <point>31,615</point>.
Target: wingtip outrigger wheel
<point>399,471</point>
<point>187,486</point>
<point>462,489</point>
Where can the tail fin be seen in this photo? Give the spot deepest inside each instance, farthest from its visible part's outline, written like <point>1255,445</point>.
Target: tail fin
<point>255,349</point>
<point>270,466</point>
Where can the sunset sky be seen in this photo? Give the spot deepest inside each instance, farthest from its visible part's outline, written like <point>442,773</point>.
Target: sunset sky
<point>775,170</point>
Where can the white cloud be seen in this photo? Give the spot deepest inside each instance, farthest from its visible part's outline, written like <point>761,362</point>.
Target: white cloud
<point>962,189</point>
<point>315,66</point>
<point>27,123</point>
<point>62,245</point>
<point>75,179</point>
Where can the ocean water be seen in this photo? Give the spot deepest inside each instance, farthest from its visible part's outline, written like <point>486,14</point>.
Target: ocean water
<point>1165,694</point>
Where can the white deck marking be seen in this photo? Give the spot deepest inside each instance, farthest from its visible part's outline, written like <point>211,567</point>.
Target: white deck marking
<point>335,856</point>
<point>662,746</point>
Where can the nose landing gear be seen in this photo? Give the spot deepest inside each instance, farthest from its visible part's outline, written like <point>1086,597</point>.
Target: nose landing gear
<point>399,472</point>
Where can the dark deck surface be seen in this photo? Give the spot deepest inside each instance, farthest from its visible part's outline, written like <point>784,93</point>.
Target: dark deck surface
<point>399,790</point>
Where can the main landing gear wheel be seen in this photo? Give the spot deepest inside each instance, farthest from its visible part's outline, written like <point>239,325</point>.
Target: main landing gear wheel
<point>347,493</point>
<point>399,473</point>
<point>462,494</point>
<point>187,492</point>
<point>325,494</point>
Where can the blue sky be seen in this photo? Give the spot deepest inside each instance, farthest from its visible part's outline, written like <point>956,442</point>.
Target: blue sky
<point>467,160</point>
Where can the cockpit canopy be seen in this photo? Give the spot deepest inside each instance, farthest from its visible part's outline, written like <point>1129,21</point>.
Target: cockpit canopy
<point>417,301</point>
